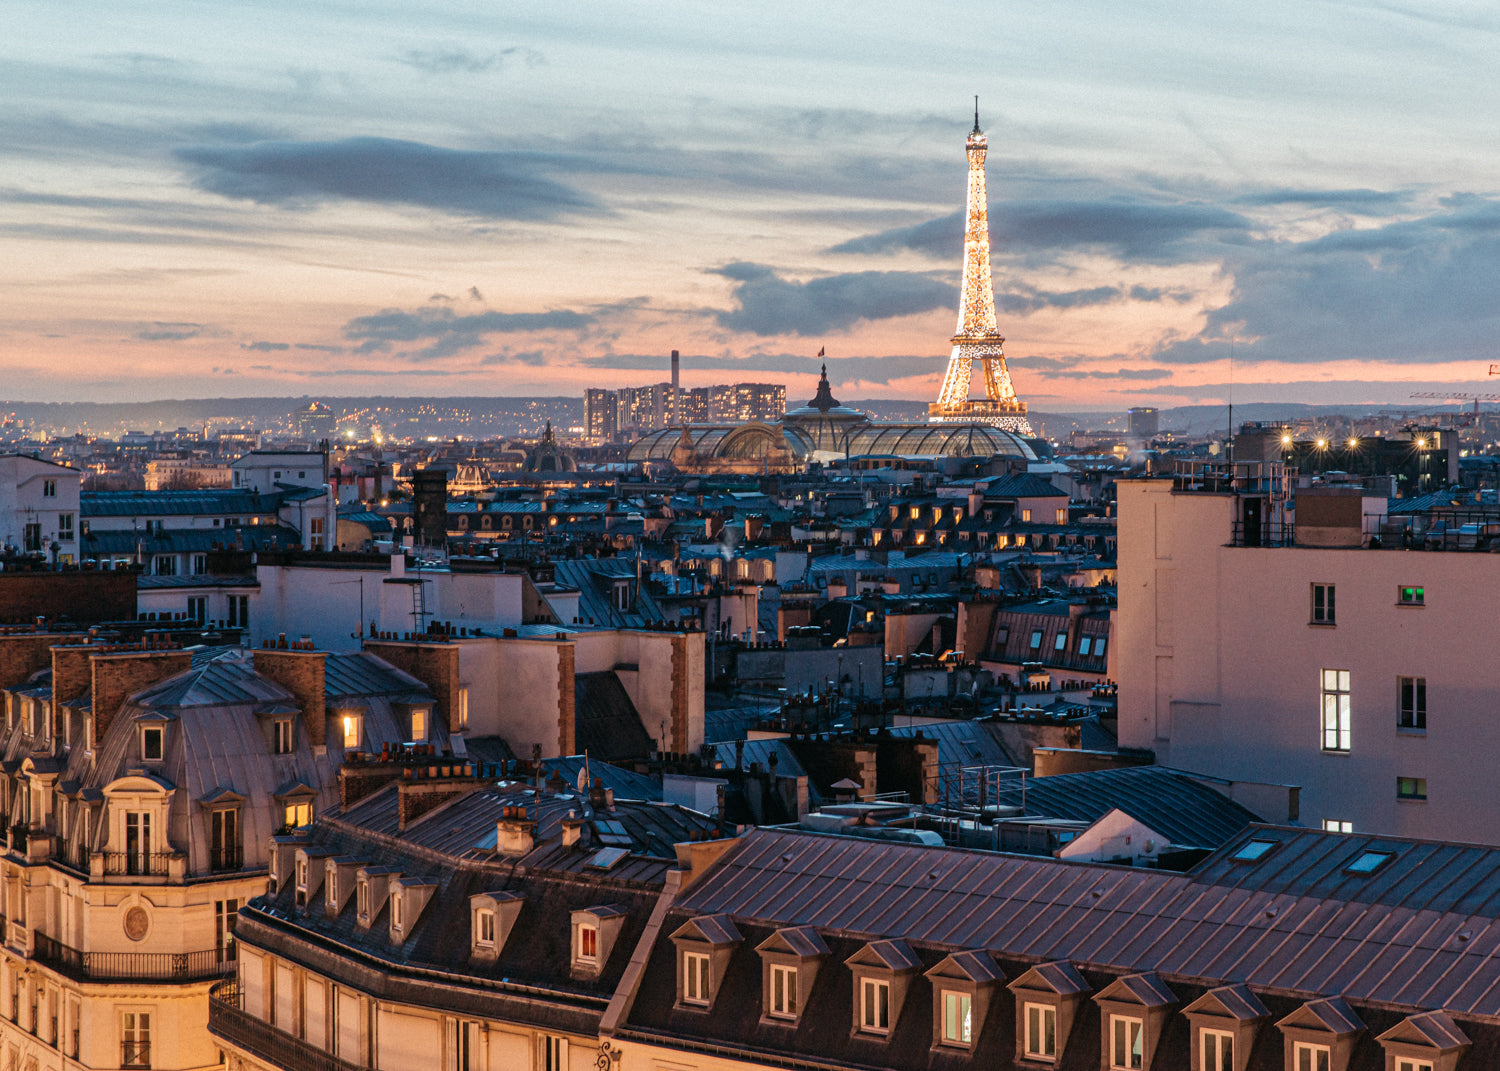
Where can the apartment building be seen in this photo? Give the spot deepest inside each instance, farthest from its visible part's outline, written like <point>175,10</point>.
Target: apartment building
<point>1300,635</point>
<point>39,507</point>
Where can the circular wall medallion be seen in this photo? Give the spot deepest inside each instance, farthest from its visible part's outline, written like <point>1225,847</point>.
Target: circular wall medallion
<point>137,922</point>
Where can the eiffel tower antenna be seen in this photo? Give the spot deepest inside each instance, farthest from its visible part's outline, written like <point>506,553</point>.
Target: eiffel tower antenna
<point>978,337</point>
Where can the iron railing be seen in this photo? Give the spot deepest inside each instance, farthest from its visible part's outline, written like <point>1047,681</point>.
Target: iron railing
<point>135,863</point>
<point>221,859</point>
<point>1265,534</point>
<point>135,966</point>
<point>228,1021</point>
<point>135,1054</point>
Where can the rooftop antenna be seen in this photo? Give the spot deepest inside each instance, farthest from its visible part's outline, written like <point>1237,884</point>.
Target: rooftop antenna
<point>976,113</point>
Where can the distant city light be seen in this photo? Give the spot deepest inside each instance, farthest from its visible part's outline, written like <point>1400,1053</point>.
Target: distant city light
<point>1286,440</point>
<point>1353,442</point>
<point>1322,444</point>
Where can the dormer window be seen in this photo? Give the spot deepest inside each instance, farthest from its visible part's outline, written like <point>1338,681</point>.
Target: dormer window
<point>491,916</point>
<point>354,730</point>
<point>783,1003</point>
<point>958,1018</point>
<point>1127,1042</point>
<point>882,975</point>
<point>704,946</point>
<point>362,900</point>
<point>484,928</point>
<point>281,736</point>
<point>396,914</point>
<point>152,743</point>
<point>875,1006</point>
<point>696,981</point>
<point>588,944</point>
<point>418,724</point>
<point>1040,1040</point>
<point>297,813</point>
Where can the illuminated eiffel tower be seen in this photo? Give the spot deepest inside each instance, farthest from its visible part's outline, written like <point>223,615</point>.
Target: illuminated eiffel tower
<point>977,338</point>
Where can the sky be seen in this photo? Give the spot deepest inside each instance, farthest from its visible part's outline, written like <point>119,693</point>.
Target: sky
<point>1285,201</point>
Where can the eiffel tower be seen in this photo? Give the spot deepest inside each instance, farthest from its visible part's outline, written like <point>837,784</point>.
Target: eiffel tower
<point>977,338</point>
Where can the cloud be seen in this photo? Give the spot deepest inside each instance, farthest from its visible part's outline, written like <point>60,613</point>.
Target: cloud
<point>491,185</point>
<point>448,332</point>
<point>169,332</point>
<point>318,348</point>
<point>531,358</point>
<point>1362,202</point>
<point>840,369</point>
<point>1411,291</point>
<point>461,61</point>
<point>1131,229</point>
<point>767,304</point>
<point>265,347</point>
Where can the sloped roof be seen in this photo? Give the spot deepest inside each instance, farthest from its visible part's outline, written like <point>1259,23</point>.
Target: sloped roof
<point>605,721</point>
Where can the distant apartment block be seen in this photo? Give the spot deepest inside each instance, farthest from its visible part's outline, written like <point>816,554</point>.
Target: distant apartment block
<point>39,506</point>
<point>608,413</point>
<point>1276,634</point>
<point>1143,422</point>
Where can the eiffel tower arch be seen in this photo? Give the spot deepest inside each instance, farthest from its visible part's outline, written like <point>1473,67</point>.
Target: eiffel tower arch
<point>977,339</point>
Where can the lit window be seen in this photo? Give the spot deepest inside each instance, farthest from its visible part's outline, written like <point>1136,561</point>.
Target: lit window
<point>1322,604</point>
<point>1062,516</point>
<point>1041,1031</point>
<point>353,730</point>
<point>1406,596</point>
<point>419,723</point>
<point>695,987</point>
<point>1413,700</point>
<point>151,744</point>
<point>1337,825</point>
<point>783,991</point>
<point>135,1039</point>
<point>463,709</point>
<point>958,1018</point>
<point>1307,1057</point>
<point>298,814</point>
<point>1411,788</point>
<point>588,944</point>
<point>1336,710</point>
<point>875,1006</point>
<point>1216,1050</point>
<point>1127,1043</point>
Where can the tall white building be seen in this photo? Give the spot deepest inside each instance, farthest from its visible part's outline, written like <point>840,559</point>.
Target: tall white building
<point>39,506</point>
<point>1263,638</point>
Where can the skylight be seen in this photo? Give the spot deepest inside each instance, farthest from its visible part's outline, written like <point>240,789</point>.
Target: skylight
<point>607,858</point>
<point>1369,862</point>
<point>1253,851</point>
<point>612,833</point>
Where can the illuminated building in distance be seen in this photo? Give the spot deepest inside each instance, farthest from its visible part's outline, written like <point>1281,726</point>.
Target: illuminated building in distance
<point>978,338</point>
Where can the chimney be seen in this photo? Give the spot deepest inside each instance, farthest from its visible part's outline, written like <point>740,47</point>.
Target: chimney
<point>513,832</point>
<point>301,673</point>
<point>572,828</point>
<point>116,676</point>
<point>22,654</point>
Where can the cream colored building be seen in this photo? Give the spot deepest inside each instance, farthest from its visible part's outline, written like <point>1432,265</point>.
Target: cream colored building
<point>1366,677</point>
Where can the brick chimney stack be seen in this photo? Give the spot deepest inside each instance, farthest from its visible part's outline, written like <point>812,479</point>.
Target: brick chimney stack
<point>301,673</point>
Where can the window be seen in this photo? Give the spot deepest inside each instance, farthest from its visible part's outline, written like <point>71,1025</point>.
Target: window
<point>49,488</point>
<point>197,608</point>
<point>239,611</point>
<point>165,565</point>
<point>1413,1065</point>
<point>396,913</point>
<point>1062,516</point>
<point>1411,788</point>
<point>1036,639</point>
<point>224,840</point>
<point>315,526</point>
<point>65,527</point>
<point>1041,1031</point>
<point>362,899</point>
<point>1099,646</point>
<point>1322,604</point>
<point>1061,643</point>
<point>354,730</point>
<point>695,982</point>
<point>783,991</point>
<point>151,745</point>
<point>1084,644</point>
<point>958,1018</point>
<point>1026,516</point>
<point>1369,862</point>
<point>1253,851</point>
<point>225,912</point>
<point>463,709</point>
<point>1337,825</point>
<point>1413,712</point>
<point>1411,596</point>
<point>419,724</point>
<point>484,934</point>
<point>281,732</point>
<point>135,1039</point>
<point>588,944</point>
<point>875,1006</point>
<point>553,1055</point>
<point>1216,1050</point>
<point>463,1045</point>
<point>1307,1057</point>
<point>1126,1046</point>
<point>299,813</point>
<point>137,842</point>
<point>1335,710</point>
<point>200,564</point>
<point>33,536</point>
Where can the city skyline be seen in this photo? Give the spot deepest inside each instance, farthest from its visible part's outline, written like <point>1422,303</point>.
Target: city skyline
<point>395,200</point>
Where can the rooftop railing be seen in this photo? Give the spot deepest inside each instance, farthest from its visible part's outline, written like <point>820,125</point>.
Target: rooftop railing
<point>133,966</point>
<point>118,864</point>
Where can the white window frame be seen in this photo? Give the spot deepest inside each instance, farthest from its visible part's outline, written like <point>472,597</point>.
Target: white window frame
<point>552,1053</point>
<point>1411,716</point>
<point>1337,825</point>
<point>283,736</point>
<point>588,934</point>
<point>874,1005</point>
<point>957,1009</point>
<point>354,730</point>
<point>362,900</point>
<point>1336,708</point>
<point>135,1028</point>
<point>783,1000</point>
<point>697,985</point>
<point>484,927</point>
<point>159,734</point>
<point>1037,1032</point>
<point>1407,1063</point>
<point>1215,1050</point>
<point>1127,1043</point>
<point>1305,1057</point>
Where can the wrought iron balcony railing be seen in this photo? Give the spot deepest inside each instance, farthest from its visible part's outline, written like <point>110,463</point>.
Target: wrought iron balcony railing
<point>134,966</point>
<point>131,863</point>
<point>275,1047</point>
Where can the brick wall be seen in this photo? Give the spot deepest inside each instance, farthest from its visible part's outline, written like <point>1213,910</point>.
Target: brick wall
<point>115,677</point>
<point>23,654</point>
<point>87,598</point>
<point>434,664</point>
<point>72,672</point>
<point>566,733</point>
<point>680,695</point>
<point>301,673</point>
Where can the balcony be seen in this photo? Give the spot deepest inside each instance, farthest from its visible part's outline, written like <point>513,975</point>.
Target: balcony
<point>133,966</point>
<point>276,1048</point>
<point>222,860</point>
<point>136,864</point>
